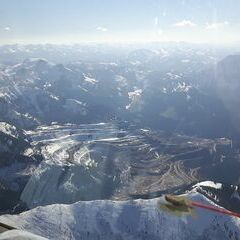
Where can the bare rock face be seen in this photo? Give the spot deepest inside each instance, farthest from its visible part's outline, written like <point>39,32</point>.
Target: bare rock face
<point>17,160</point>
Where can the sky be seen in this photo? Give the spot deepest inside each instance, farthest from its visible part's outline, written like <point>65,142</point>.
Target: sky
<point>74,21</point>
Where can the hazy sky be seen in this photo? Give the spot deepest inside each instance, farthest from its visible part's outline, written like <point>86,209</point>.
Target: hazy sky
<point>67,21</point>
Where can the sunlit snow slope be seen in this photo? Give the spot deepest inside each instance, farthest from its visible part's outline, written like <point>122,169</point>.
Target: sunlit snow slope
<point>138,219</point>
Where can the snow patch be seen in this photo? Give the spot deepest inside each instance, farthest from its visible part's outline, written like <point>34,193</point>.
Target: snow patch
<point>90,79</point>
<point>209,184</point>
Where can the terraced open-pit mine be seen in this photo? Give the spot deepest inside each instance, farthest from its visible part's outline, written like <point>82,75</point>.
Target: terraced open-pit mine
<point>115,161</point>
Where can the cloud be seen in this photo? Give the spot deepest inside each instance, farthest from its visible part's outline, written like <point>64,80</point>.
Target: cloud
<point>102,29</point>
<point>216,25</point>
<point>185,23</point>
<point>7,29</point>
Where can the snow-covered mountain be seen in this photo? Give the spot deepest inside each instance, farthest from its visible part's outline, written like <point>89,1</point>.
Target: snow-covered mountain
<point>146,52</point>
<point>139,219</point>
<point>37,91</point>
<point>98,127</point>
<point>117,161</point>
